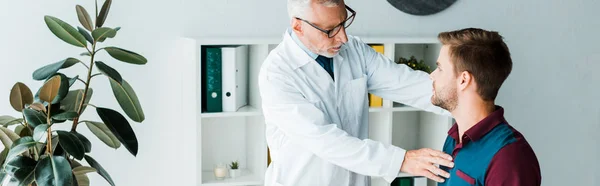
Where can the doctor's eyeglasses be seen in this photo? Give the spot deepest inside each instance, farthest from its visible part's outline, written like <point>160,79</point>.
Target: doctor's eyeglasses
<point>330,33</point>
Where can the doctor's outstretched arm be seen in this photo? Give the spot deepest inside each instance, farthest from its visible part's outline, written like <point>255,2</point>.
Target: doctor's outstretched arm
<point>305,125</point>
<point>397,82</point>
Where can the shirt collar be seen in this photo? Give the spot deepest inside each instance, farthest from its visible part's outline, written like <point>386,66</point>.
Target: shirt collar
<point>482,127</point>
<point>301,45</point>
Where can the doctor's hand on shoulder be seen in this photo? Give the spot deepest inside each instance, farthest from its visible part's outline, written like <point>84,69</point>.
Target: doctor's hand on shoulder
<point>422,162</point>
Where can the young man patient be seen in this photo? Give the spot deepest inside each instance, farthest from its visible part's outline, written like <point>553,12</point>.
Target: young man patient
<point>472,65</point>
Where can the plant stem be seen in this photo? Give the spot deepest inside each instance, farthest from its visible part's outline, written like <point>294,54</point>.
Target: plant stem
<point>49,141</point>
<point>96,74</point>
<point>87,85</point>
<point>84,64</point>
<point>24,120</point>
<point>99,49</point>
<point>89,104</point>
<point>81,80</point>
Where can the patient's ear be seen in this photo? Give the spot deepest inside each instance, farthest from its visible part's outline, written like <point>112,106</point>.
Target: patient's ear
<point>297,27</point>
<point>465,79</point>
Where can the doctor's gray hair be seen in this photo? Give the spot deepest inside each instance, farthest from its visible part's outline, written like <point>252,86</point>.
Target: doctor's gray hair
<point>298,8</point>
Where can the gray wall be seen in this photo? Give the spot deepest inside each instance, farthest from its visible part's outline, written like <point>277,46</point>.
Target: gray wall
<point>551,95</point>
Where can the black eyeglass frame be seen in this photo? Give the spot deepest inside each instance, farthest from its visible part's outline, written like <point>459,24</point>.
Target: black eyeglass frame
<point>329,32</point>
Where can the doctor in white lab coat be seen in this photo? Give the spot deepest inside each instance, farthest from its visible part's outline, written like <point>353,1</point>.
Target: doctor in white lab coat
<point>314,89</point>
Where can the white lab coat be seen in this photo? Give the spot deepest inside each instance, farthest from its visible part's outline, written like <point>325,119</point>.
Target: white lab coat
<point>317,128</point>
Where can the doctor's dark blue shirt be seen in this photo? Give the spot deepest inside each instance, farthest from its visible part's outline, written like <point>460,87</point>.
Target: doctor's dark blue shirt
<point>491,153</point>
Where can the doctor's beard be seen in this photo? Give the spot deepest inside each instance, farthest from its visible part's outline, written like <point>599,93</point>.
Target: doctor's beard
<point>326,52</point>
<point>445,98</point>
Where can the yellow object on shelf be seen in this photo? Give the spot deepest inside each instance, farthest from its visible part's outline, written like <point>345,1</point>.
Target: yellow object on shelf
<point>376,101</point>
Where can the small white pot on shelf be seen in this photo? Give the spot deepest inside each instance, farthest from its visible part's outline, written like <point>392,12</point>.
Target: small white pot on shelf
<point>234,173</point>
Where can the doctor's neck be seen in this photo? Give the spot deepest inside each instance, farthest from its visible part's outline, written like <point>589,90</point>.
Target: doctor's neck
<point>470,110</point>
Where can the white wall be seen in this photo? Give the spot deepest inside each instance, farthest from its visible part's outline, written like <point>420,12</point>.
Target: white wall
<point>166,139</point>
<point>551,96</point>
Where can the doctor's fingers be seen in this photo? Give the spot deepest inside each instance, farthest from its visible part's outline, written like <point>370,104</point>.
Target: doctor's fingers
<point>438,153</point>
<point>432,176</point>
<point>440,161</point>
<point>437,171</point>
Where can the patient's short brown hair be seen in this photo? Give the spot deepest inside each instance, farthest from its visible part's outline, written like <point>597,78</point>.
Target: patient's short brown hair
<point>483,54</point>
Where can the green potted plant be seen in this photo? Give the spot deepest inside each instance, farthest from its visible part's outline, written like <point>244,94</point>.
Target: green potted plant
<point>234,171</point>
<point>414,64</point>
<point>36,153</point>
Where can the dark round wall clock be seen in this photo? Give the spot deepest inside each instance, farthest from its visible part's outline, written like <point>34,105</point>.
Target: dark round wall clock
<point>421,7</point>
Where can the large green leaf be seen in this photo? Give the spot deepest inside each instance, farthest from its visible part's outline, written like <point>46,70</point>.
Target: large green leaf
<point>128,100</point>
<point>22,168</point>
<point>55,89</point>
<point>20,95</point>
<point>109,71</point>
<point>103,133</point>
<point>71,143</point>
<point>19,146</point>
<point>74,98</point>
<point>126,55</point>
<point>119,126</point>
<point>46,71</point>
<point>87,145</point>
<point>34,117</point>
<point>53,171</point>
<point>8,137</point>
<point>93,163</point>
<point>100,34</point>
<point>9,120</point>
<point>84,18</point>
<point>64,31</point>
<point>85,34</point>
<point>40,132</point>
<point>68,115</point>
<point>103,13</point>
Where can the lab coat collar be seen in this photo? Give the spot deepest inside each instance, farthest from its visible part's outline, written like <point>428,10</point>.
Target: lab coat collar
<point>299,56</point>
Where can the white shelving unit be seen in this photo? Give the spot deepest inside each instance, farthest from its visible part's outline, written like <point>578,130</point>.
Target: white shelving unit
<point>227,136</point>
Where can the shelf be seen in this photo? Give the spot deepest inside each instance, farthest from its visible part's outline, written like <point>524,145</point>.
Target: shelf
<point>394,109</point>
<point>247,178</point>
<point>244,111</point>
<point>253,111</point>
<point>404,175</point>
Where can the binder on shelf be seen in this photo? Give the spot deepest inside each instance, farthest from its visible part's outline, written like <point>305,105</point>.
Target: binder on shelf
<point>402,181</point>
<point>376,101</point>
<point>409,181</point>
<point>212,73</point>
<point>234,76</point>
